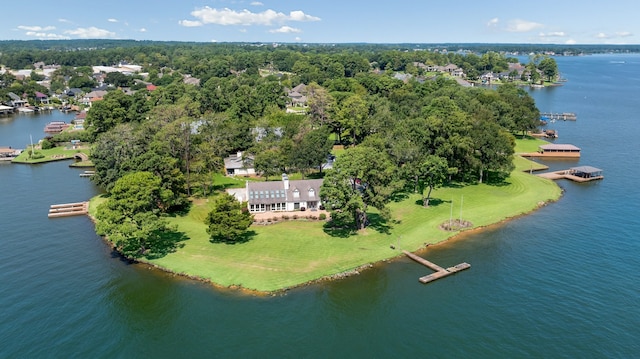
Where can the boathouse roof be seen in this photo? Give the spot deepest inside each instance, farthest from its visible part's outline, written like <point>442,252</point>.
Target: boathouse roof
<point>586,169</point>
<point>559,147</point>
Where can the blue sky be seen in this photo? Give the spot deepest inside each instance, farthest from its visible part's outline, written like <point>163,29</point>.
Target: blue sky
<point>328,21</point>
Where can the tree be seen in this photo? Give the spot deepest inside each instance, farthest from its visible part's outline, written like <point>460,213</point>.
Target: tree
<point>130,217</point>
<point>430,173</point>
<point>312,150</point>
<point>362,176</point>
<point>228,220</point>
<point>549,68</point>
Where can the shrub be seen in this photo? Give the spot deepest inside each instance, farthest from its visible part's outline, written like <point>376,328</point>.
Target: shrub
<point>295,216</point>
<point>46,144</point>
<point>322,216</point>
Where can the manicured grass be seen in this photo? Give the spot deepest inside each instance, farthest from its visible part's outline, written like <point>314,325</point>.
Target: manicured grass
<point>529,144</point>
<point>52,154</point>
<point>291,253</point>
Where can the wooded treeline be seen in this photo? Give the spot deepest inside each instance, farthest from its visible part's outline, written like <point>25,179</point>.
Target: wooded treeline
<point>400,136</point>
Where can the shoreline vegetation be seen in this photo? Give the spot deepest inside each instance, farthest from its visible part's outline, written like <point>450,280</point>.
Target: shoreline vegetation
<point>297,253</point>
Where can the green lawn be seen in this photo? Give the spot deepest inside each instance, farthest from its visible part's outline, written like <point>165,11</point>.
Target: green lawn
<point>53,154</point>
<point>291,253</point>
<point>529,144</point>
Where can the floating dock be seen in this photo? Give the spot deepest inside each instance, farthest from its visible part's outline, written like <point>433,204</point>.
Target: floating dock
<point>87,173</point>
<point>564,116</point>
<point>440,272</point>
<point>68,209</point>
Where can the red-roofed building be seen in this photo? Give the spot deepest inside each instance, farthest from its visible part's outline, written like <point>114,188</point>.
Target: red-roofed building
<point>151,87</point>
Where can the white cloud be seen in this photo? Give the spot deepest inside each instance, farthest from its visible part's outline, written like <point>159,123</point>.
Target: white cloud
<point>90,33</point>
<point>189,23</point>
<point>602,35</point>
<point>143,30</point>
<point>553,34</point>
<point>36,28</point>
<point>45,35</point>
<point>519,25</point>
<point>285,30</point>
<point>570,42</point>
<point>244,31</point>
<point>493,22</point>
<point>112,20</point>
<point>623,34</point>
<point>298,39</point>
<point>63,20</point>
<point>256,3</point>
<point>226,16</point>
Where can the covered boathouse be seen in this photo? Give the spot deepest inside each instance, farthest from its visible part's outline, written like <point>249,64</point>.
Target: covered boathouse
<point>586,172</point>
<point>555,150</point>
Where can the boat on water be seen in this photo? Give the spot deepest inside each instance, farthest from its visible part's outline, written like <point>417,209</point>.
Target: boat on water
<point>8,153</point>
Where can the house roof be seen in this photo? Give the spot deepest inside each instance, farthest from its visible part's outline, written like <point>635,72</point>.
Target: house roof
<point>13,96</point>
<point>560,147</point>
<point>238,162</point>
<point>586,169</point>
<point>274,191</point>
<point>41,95</point>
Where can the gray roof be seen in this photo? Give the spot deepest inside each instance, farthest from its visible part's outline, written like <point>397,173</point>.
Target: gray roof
<point>235,162</point>
<point>586,169</point>
<point>560,147</point>
<point>274,191</point>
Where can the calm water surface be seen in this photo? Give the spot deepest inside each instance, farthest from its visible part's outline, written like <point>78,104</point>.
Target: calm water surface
<point>561,282</point>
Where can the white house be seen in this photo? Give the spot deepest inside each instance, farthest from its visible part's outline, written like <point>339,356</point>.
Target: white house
<point>281,196</point>
<point>239,165</point>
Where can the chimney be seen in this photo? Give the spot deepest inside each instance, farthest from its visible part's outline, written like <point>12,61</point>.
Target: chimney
<point>239,155</point>
<point>285,181</point>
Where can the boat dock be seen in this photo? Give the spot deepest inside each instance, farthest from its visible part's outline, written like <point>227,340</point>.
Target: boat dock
<point>564,116</point>
<point>87,173</point>
<point>439,271</point>
<point>576,174</point>
<point>68,209</point>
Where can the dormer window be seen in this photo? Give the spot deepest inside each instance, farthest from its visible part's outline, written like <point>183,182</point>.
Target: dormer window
<point>296,193</point>
<point>312,192</point>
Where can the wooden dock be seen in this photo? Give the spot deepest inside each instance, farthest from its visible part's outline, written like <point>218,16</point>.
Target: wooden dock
<point>439,271</point>
<point>564,116</point>
<point>68,209</point>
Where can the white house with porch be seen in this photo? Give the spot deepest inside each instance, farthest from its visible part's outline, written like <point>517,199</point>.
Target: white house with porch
<point>280,196</point>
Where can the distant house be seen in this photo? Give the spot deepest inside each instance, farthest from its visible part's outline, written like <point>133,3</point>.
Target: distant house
<point>281,196</point>
<point>93,96</point>
<point>42,98</point>
<point>297,95</point>
<point>191,80</point>
<point>16,101</point>
<point>239,165</point>
<point>74,92</point>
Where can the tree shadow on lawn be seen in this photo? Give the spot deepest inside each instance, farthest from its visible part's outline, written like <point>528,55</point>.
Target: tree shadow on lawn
<point>346,230</point>
<point>433,202</point>
<point>243,238</point>
<point>168,242</point>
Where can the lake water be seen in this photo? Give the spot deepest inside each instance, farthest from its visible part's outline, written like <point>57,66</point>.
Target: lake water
<point>560,282</point>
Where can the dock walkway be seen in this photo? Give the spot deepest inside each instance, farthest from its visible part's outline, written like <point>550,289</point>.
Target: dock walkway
<point>576,174</point>
<point>439,271</point>
<point>68,209</point>
<point>564,116</point>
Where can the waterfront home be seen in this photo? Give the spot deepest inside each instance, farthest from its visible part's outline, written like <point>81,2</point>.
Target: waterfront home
<point>16,101</point>
<point>280,196</point>
<point>8,153</point>
<point>239,165</point>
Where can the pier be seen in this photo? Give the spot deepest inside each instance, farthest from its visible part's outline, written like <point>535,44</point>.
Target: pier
<point>576,174</point>
<point>68,209</point>
<point>564,116</point>
<point>440,272</point>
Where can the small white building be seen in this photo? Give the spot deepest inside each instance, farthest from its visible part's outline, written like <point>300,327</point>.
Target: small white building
<point>239,165</point>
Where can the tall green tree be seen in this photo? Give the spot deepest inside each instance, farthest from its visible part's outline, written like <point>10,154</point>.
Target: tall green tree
<point>228,220</point>
<point>362,176</point>
<point>130,217</point>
